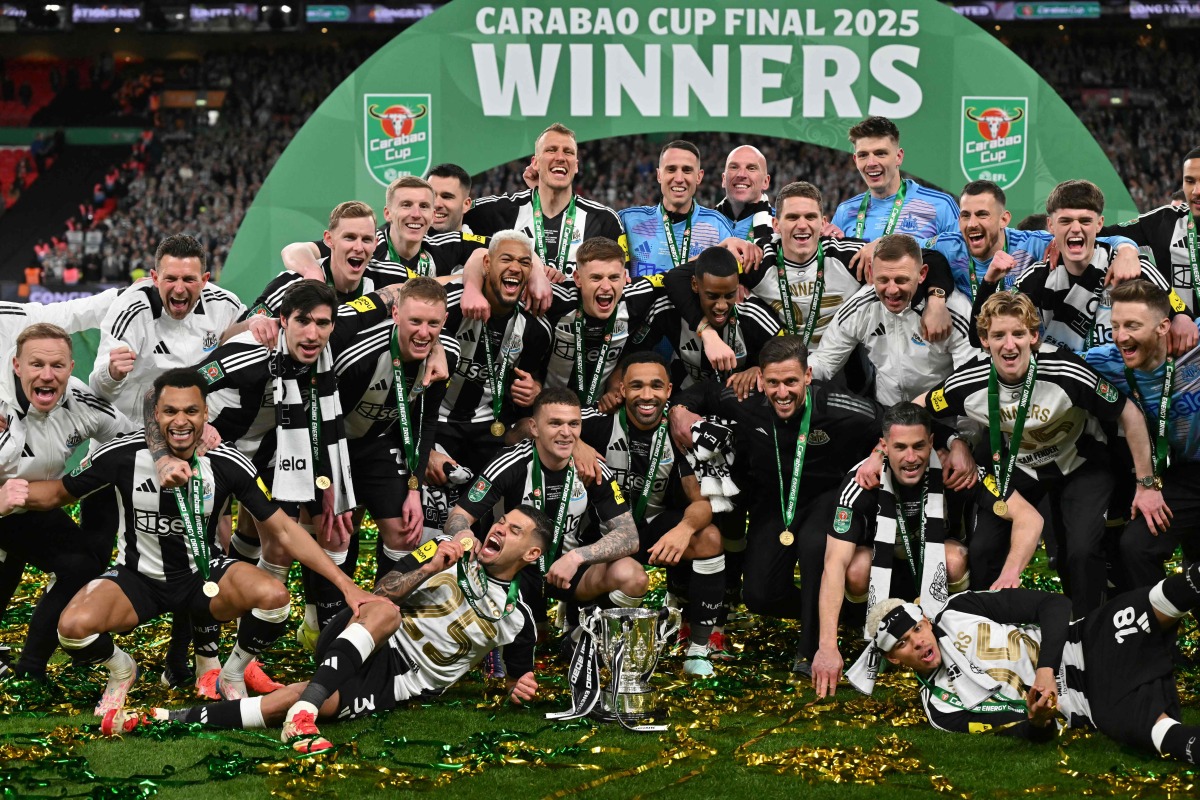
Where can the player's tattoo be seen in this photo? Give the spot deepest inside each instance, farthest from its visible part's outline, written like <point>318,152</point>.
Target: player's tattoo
<point>389,295</point>
<point>457,523</point>
<point>155,441</point>
<point>620,539</point>
<point>397,585</point>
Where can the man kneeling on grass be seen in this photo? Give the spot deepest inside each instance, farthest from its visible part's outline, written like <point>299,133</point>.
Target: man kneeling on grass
<point>447,613</point>
<point>1011,662</point>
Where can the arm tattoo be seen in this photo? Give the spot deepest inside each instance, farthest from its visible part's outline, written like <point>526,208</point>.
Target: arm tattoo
<point>155,440</point>
<point>397,585</point>
<point>389,295</point>
<point>620,539</point>
<point>458,522</point>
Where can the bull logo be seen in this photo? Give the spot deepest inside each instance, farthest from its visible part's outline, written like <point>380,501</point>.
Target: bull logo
<point>397,135</point>
<point>995,131</point>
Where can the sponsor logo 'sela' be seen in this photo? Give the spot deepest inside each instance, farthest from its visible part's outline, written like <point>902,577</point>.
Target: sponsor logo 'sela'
<point>994,134</point>
<point>397,135</point>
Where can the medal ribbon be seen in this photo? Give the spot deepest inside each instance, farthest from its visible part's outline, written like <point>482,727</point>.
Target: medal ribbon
<point>411,443</point>
<point>191,511</point>
<point>679,254</point>
<point>564,505</point>
<point>564,236</point>
<point>1003,475</point>
<point>314,422</point>
<point>464,583</point>
<point>1193,260</point>
<point>657,447</point>
<point>588,396</point>
<point>902,527</point>
<point>495,374</point>
<point>1162,446</point>
<point>788,506</point>
<point>860,224</point>
<point>424,263</point>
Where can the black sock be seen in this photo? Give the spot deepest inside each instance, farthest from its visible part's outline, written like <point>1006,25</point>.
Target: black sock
<point>328,599</point>
<point>341,661</point>
<point>97,652</point>
<point>1180,742</point>
<point>206,639</point>
<point>181,643</point>
<point>256,635</point>
<point>1183,590</point>
<point>225,714</point>
<point>707,598</point>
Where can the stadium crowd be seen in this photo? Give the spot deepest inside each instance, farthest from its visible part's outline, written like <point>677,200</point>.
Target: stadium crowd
<point>896,394</point>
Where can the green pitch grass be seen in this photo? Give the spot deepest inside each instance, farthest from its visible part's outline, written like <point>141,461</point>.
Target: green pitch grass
<point>747,733</point>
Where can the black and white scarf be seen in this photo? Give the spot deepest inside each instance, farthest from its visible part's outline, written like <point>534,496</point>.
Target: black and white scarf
<point>934,581</point>
<point>711,459</point>
<point>292,433</point>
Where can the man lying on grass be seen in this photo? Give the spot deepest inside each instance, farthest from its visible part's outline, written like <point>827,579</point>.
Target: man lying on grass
<point>447,612</point>
<point>1011,662</point>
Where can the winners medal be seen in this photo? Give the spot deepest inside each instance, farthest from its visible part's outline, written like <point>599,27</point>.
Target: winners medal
<point>497,428</point>
<point>467,543</point>
<point>323,482</point>
<point>788,505</point>
<point>495,376</point>
<point>211,589</point>
<point>1002,469</point>
<point>191,512</point>
<point>411,443</point>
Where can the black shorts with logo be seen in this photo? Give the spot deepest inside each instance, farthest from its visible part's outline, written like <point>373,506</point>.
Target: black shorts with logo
<point>373,687</point>
<point>151,598</point>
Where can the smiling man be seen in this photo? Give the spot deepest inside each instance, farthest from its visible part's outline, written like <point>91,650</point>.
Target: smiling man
<point>168,558</point>
<point>1011,663</point>
<point>793,444</point>
<point>1166,389</point>
<point>1071,300</point>
<point>1043,412</point>
<point>451,186</point>
<point>49,414</point>
<point>746,205</point>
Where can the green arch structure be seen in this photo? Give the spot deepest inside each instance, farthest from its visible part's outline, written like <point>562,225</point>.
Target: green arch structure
<point>476,81</point>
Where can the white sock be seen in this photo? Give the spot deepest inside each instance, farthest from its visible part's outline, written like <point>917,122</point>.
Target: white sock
<point>280,571</point>
<point>709,566</point>
<point>1159,731</point>
<point>310,616</point>
<point>1160,603</point>
<point>336,556</point>
<point>622,600</point>
<point>250,548</point>
<point>395,555</point>
<point>697,650</point>
<point>120,665</point>
<point>297,707</point>
<point>206,664</point>
<point>235,666</point>
<point>251,708</point>
<point>357,635</point>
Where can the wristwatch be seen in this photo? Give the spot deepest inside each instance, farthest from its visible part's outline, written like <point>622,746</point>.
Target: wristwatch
<point>934,291</point>
<point>1150,482</point>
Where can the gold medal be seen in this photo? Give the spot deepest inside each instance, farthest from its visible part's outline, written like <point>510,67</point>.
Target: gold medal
<point>412,483</point>
<point>1000,508</point>
<point>211,589</point>
<point>497,428</point>
<point>786,538</point>
<point>467,543</point>
<point>323,482</point>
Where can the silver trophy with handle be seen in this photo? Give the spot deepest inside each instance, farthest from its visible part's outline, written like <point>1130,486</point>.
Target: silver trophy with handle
<point>631,640</point>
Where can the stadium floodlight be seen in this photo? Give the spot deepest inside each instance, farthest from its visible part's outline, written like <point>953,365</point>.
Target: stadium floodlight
<point>53,8</point>
<point>286,9</point>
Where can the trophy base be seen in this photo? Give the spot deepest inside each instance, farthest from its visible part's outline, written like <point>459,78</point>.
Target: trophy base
<point>633,707</point>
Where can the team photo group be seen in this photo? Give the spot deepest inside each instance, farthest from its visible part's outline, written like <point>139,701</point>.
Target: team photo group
<point>866,419</point>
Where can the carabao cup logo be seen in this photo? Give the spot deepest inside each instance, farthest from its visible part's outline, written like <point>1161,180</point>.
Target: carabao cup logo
<point>994,133</point>
<point>397,135</point>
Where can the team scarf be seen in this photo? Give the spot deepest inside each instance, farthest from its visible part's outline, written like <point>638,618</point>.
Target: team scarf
<point>294,432</point>
<point>929,546</point>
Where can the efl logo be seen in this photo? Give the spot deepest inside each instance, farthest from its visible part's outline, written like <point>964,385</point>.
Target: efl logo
<point>994,133</point>
<point>396,135</point>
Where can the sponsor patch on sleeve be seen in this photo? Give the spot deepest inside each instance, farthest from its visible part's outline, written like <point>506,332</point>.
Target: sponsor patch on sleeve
<point>841,519</point>
<point>361,304</point>
<point>474,237</point>
<point>937,400</point>
<point>83,465</point>
<point>620,498</point>
<point>479,490</point>
<point>266,492</point>
<point>261,310</point>
<point>656,281</point>
<point>212,372</point>
<point>425,551</point>
<point>1106,390</point>
<point>1177,303</point>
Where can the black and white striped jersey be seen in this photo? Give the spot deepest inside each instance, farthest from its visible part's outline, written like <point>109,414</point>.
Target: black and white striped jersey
<point>374,277</point>
<point>490,215</point>
<point>151,538</point>
<point>627,455</point>
<point>508,479</point>
<point>241,398</point>
<point>159,341</point>
<point>1162,233</point>
<point>36,446</point>
<point>840,283</point>
<point>628,334</point>
<point>520,340</point>
<point>366,386</point>
<point>448,251</point>
<point>1075,310</point>
<point>746,332</point>
<point>1062,426</point>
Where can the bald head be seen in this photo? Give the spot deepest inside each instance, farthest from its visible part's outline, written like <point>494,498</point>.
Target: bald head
<point>745,178</point>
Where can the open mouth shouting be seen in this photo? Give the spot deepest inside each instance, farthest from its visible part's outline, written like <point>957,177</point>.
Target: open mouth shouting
<point>1076,244</point>
<point>493,545</point>
<point>976,240</point>
<point>606,301</point>
<point>179,305</point>
<point>44,395</point>
<point>420,345</point>
<point>307,352</point>
<point>930,657</point>
<point>181,436</point>
<point>510,285</point>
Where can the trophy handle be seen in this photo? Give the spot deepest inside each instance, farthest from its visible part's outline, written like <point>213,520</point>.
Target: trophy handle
<point>669,620</point>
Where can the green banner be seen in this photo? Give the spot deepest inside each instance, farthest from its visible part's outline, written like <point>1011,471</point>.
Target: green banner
<point>23,137</point>
<point>476,81</point>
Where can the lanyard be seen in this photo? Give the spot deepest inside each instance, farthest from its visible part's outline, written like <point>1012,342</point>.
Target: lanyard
<point>424,268</point>
<point>1162,446</point>
<point>314,429</point>
<point>788,505</point>
<point>987,707</point>
<point>974,277</point>
<point>657,447</point>
<point>495,373</point>
<point>1004,474</point>
<point>1193,260</point>
<point>587,395</point>
<point>785,294</point>
<point>464,583</point>
<point>679,254</point>
<point>902,527</point>
<point>565,233</point>
<point>191,511</point>
<point>411,443</point>
<point>860,224</point>
<point>564,504</point>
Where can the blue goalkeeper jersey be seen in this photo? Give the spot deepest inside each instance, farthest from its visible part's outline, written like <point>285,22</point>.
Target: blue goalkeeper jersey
<point>649,252</point>
<point>926,213</point>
